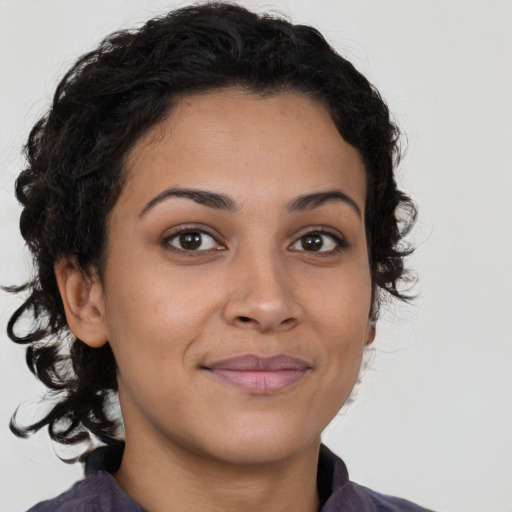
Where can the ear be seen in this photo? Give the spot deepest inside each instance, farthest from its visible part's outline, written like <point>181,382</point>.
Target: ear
<point>82,296</point>
<point>371,329</point>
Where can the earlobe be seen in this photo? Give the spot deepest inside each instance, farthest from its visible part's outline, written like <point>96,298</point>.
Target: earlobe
<point>371,329</point>
<point>82,296</point>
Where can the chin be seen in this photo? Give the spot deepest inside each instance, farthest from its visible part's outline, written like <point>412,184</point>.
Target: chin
<point>264,451</point>
<point>262,442</point>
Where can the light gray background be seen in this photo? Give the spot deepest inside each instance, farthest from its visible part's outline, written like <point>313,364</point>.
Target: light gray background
<point>433,419</point>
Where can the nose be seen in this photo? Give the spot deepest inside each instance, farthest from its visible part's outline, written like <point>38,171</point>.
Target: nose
<point>261,296</point>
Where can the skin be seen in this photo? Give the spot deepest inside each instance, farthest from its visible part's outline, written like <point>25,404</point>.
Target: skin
<point>252,287</point>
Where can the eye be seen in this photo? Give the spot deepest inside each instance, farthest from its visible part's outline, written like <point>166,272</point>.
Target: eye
<point>192,240</point>
<point>319,241</point>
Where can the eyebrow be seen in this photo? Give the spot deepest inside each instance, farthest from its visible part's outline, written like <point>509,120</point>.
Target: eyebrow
<point>224,202</point>
<point>204,197</point>
<point>314,200</point>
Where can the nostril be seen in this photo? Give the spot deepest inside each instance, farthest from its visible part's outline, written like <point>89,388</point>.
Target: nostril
<point>244,319</point>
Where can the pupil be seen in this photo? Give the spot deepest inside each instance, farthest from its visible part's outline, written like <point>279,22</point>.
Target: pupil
<point>190,240</point>
<point>312,242</point>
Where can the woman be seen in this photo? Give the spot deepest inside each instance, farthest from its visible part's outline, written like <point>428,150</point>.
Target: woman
<point>214,219</point>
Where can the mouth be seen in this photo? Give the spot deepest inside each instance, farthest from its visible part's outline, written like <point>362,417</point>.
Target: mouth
<point>259,375</point>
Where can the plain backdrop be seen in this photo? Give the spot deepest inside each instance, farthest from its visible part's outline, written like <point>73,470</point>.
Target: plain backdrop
<point>432,420</point>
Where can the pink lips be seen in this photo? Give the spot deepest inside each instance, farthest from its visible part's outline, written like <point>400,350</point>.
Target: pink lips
<point>260,374</point>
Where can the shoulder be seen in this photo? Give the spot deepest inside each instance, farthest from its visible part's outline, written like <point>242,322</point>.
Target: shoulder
<point>383,503</point>
<point>340,493</point>
<point>97,492</point>
<point>81,497</point>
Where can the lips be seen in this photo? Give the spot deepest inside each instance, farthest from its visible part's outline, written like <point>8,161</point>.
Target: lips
<point>261,375</point>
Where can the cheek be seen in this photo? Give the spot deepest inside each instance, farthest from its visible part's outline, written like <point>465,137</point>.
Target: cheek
<point>341,300</point>
<point>339,308</point>
<point>157,309</point>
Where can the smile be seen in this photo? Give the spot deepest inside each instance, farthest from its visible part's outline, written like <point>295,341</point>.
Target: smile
<point>258,374</point>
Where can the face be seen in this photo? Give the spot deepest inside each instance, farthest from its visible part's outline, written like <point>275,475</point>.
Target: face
<point>236,291</point>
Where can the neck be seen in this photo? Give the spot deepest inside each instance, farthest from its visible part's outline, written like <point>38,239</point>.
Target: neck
<point>156,475</point>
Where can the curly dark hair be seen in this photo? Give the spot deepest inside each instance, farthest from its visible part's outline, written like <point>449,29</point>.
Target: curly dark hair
<point>108,100</point>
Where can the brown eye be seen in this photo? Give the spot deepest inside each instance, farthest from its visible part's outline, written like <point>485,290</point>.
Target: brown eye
<point>190,241</point>
<point>322,242</point>
<point>193,241</point>
<point>312,242</point>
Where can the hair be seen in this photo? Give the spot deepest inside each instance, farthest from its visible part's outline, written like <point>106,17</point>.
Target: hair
<point>106,102</point>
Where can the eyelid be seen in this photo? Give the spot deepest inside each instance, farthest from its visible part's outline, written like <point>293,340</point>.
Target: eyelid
<point>334,234</point>
<point>197,228</point>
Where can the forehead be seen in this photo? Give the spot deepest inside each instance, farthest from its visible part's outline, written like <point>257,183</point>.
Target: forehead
<point>243,141</point>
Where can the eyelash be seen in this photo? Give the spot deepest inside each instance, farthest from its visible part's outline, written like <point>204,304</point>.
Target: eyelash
<point>167,241</point>
<point>340,243</point>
